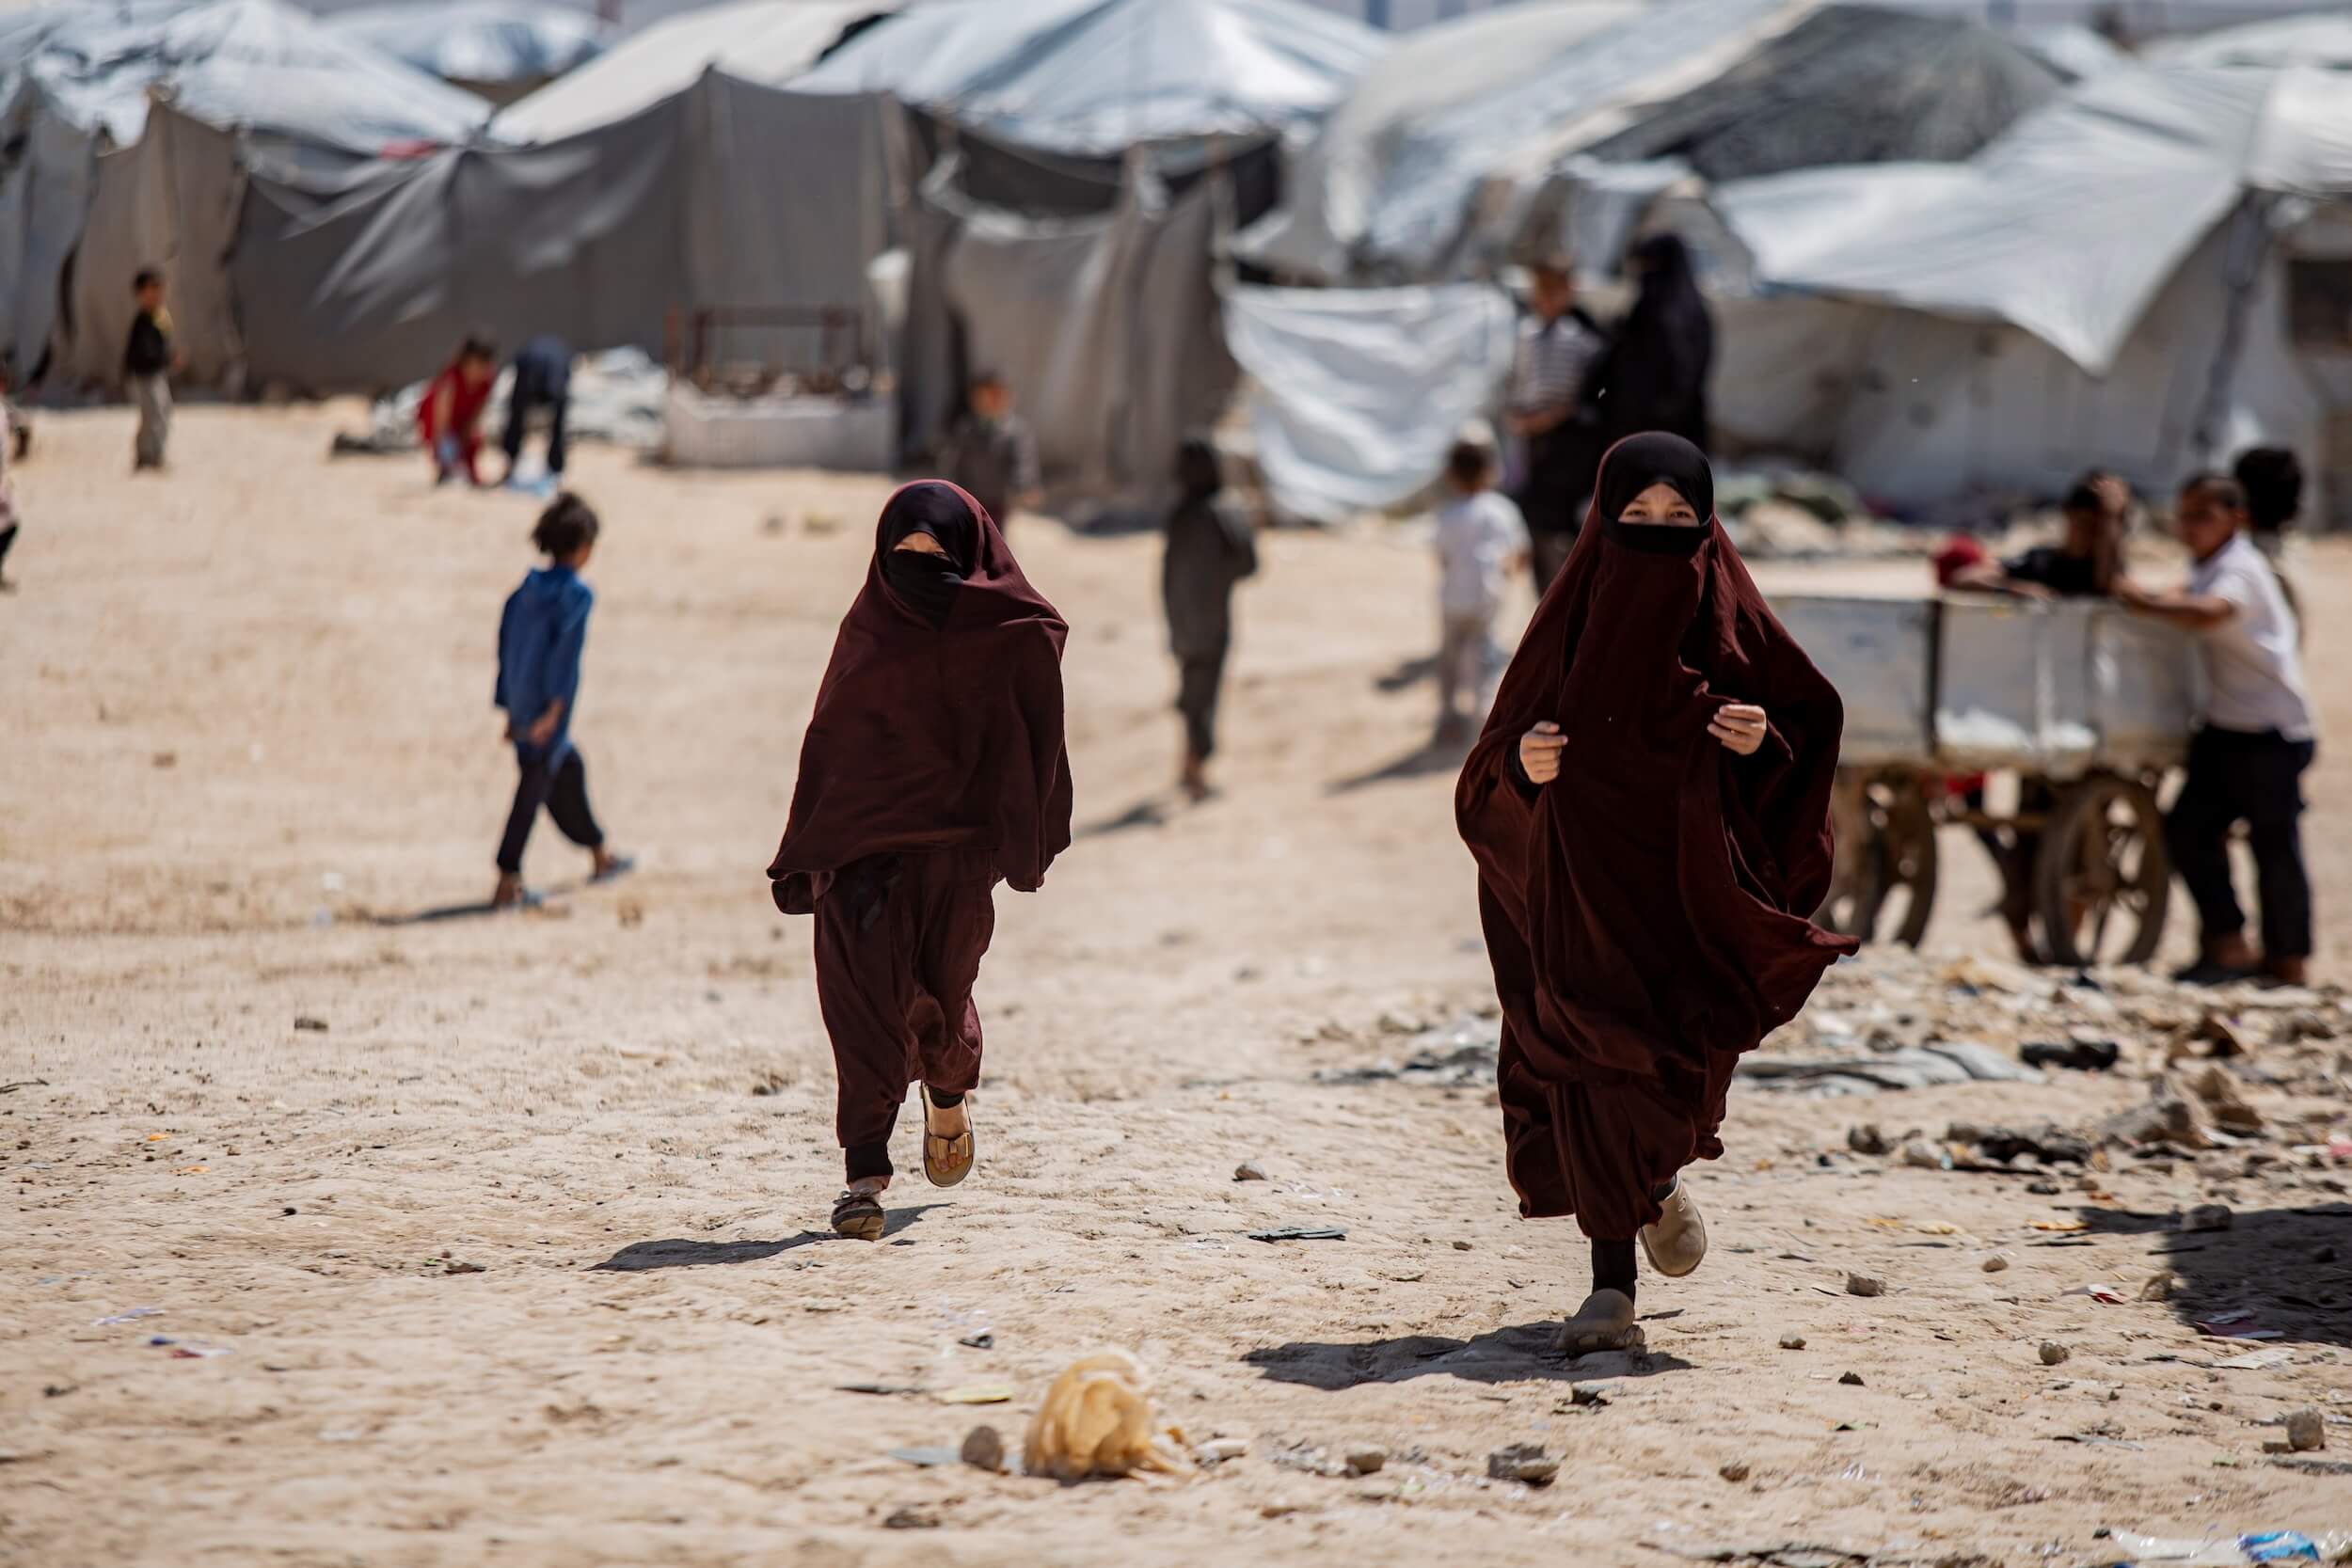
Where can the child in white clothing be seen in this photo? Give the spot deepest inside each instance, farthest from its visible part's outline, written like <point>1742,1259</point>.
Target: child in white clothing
<point>1482,540</point>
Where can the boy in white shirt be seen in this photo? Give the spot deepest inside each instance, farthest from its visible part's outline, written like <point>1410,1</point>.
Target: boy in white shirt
<point>1482,540</point>
<point>2247,760</point>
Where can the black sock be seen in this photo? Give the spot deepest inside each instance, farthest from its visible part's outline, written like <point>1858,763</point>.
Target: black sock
<point>865,1160</point>
<point>1613,1266</point>
<point>944,1101</point>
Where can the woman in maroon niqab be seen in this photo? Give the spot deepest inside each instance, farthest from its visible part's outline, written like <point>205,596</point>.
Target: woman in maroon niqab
<point>1649,808</point>
<point>933,768</point>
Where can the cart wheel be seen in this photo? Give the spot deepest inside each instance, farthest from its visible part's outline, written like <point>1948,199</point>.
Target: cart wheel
<point>1896,865</point>
<point>2103,882</point>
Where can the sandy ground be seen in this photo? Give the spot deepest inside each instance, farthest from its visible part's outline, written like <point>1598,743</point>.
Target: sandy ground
<point>247,723</point>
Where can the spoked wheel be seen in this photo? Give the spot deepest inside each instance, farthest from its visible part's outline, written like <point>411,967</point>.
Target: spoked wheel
<point>2103,880</point>
<point>1892,884</point>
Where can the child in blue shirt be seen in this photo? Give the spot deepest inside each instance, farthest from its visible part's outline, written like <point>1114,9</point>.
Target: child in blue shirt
<point>541,635</point>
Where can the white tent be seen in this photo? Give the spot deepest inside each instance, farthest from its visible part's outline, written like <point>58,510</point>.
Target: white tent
<point>769,43</point>
<point>2325,40</point>
<point>1097,76</point>
<point>487,44</point>
<point>254,65</point>
<point>1429,184</point>
<point>2108,284</point>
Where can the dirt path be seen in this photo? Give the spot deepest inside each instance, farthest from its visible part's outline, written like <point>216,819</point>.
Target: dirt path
<point>247,720</point>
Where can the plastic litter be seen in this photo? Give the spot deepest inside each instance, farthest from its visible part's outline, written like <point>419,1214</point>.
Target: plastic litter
<point>1300,1233</point>
<point>978,1393</point>
<point>131,1317</point>
<point>927,1458</point>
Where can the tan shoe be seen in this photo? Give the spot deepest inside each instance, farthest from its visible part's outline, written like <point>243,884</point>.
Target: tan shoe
<point>1676,1244</point>
<point>1605,1321</point>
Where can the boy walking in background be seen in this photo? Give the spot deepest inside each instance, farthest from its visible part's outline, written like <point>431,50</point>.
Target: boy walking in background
<point>1481,539</point>
<point>1211,548</point>
<point>541,636</point>
<point>990,454</point>
<point>148,361</point>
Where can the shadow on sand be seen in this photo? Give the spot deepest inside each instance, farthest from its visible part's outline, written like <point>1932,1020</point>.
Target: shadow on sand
<point>642,1256</point>
<point>1519,1353</point>
<point>1153,810</point>
<point>2290,1268</point>
<point>1438,756</point>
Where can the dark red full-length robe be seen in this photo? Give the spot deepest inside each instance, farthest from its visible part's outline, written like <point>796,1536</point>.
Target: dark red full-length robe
<point>1646,912</point>
<point>934,766</point>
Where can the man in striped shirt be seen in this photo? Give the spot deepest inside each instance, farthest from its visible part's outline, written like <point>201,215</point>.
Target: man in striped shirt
<point>1558,342</point>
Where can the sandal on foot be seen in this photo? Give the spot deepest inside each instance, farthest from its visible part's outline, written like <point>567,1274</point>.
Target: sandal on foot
<point>622,866</point>
<point>946,1160</point>
<point>858,1215</point>
<point>1604,1322</point>
<point>1676,1244</point>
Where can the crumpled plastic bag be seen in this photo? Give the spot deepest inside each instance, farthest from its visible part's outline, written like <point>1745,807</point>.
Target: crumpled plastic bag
<point>1097,1420</point>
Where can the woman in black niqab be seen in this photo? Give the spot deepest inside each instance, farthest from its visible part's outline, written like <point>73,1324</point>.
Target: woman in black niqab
<point>1653,375</point>
<point>926,576</point>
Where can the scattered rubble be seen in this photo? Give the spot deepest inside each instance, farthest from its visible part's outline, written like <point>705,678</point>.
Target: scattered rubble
<point>1526,1462</point>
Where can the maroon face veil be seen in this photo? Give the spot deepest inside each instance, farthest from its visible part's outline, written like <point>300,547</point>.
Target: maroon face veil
<point>1647,911</point>
<point>938,723</point>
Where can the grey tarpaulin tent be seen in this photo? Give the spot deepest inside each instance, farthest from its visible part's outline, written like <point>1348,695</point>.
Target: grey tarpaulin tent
<point>1093,76</point>
<point>496,48</point>
<point>172,202</point>
<point>1106,325</point>
<point>2107,284</point>
<point>728,194</point>
<point>254,65</point>
<point>47,170</point>
<point>1466,123</point>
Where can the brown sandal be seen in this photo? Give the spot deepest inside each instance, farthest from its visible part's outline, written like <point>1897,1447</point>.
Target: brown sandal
<point>946,1160</point>
<point>859,1215</point>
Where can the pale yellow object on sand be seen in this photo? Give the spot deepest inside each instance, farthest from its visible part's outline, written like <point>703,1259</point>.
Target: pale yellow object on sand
<point>1097,1420</point>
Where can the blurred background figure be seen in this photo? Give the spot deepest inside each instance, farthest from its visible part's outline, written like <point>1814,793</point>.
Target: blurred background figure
<point>450,417</point>
<point>2084,563</point>
<point>1211,549</point>
<point>1481,539</point>
<point>148,361</point>
<point>541,393</point>
<point>1559,443</point>
<point>1653,375</point>
<point>991,455</point>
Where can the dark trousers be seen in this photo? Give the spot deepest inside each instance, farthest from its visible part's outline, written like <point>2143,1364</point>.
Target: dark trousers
<point>563,791</point>
<point>900,942</point>
<point>538,386</point>
<point>2235,777</point>
<point>1202,679</point>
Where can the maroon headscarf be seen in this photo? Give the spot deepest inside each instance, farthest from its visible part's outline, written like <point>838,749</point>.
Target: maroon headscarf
<point>1647,911</point>
<point>939,724</point>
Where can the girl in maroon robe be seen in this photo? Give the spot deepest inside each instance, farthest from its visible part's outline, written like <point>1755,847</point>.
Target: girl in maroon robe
<point>1650,810</point>
<point>933,770</point>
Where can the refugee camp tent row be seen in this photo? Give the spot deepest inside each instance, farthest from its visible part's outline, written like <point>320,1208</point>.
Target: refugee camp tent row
<point>1109,323</point>
<point>1099,76</point>
<point>1431,170</point>
<point>726,196</point>
<point>75,86</point>
<point>497,50</point>
<point>761,41</point>
<point>2149,276</point>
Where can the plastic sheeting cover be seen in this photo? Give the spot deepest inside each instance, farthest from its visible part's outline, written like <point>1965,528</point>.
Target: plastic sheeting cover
<point>2324,40</point>
<point>252,64</point>
<point>1098,75</point>
<point>2068,225</point>
<point>479,40</point>
<point>1361,392</point>
<point>1341,178</point>
<point>766,42</point>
